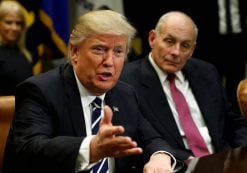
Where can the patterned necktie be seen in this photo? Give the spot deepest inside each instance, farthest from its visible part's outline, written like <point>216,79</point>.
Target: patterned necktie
<point>193,136</point>
<point>102,166</point>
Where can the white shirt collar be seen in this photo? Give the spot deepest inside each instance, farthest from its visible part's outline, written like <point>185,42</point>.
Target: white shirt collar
<point>85,94</point>
<point>163,75</point>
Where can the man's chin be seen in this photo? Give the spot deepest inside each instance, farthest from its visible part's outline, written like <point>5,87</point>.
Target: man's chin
<point>105,86</point>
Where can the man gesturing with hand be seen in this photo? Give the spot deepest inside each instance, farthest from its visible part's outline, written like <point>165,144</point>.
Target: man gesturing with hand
<point>53,128</point>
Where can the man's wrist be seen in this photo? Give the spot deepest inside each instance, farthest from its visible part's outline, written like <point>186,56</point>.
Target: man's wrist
<point>172,158</point>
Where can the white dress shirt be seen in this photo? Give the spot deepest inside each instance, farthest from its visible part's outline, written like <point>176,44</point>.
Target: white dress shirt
<point>183,85</point>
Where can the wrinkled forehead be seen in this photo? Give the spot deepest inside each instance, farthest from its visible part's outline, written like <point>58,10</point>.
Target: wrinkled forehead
<point>107,40</point>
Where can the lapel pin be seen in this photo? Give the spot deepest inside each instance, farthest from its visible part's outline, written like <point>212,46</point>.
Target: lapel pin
<point>115,109</point>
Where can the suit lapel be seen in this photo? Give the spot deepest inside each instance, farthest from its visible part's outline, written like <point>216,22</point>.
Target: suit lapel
<point>197,85</point>
<point>157,100</point>
<point>112,101</point>
<point>73,101</point>
<point>204,96</point>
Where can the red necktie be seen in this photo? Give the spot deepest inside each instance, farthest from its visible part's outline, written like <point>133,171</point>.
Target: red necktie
<point>193,136</point>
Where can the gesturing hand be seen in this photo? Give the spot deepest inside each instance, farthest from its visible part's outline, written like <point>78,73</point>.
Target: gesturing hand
<point>108,142</point>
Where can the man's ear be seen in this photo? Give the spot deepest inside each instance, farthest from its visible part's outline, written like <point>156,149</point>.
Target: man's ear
<point>193,49</point>
<point>73,52</point>
<point>151,37</point>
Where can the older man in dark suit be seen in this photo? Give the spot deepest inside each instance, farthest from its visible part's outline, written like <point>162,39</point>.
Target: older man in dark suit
<point>172,44</point>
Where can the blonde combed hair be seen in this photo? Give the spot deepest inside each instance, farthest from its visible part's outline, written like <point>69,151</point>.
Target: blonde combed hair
<point>12,6</point>
<point>99,22</point>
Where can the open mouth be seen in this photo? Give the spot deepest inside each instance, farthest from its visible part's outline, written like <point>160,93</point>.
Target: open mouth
<point>105,76</point>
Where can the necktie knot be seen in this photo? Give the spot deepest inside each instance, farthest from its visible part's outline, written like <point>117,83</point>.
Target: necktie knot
<point>96,112</point>
<point>171,77</point>
<point>97,103</point>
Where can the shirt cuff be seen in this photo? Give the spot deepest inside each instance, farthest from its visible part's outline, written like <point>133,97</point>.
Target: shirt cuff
<point>83,159</point>
<point>174,161</point>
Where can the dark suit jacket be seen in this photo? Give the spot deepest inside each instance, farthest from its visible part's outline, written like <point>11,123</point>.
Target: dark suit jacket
<point>48,126</point>
<point>225,128</point>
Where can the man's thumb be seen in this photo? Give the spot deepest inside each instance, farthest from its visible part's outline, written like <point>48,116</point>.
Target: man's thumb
<point>107,118</point>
